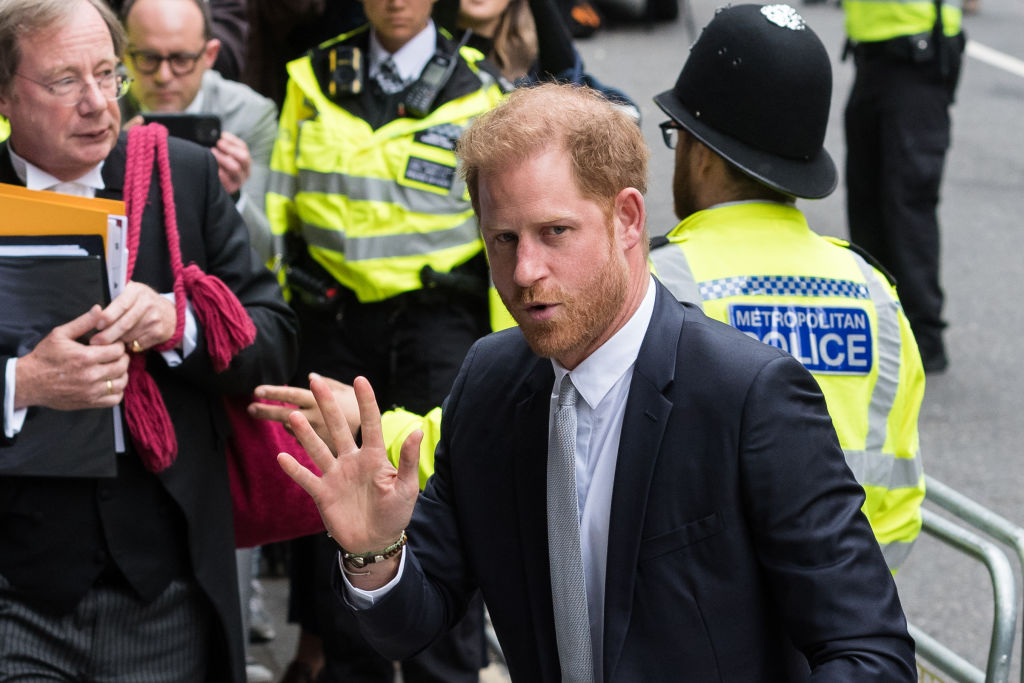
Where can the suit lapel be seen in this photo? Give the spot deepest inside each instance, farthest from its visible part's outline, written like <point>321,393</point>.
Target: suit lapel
<point>7,173</point>
<point>113,171</point>
<point>530,415</point>
<point>643,426</point>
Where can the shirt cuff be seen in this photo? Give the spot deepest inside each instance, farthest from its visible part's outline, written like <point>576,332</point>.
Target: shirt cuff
<point>14,420</point>
<point>361,599</point>
<point>173,357</point>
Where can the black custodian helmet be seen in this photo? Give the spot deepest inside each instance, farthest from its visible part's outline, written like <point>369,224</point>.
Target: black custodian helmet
<point>756,89</point>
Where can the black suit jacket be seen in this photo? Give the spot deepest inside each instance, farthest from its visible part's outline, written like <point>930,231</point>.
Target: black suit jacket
<point>737,550</point>
<point>58,535</point>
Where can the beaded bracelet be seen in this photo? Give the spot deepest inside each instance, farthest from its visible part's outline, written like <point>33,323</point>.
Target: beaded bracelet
<point>360,560</point>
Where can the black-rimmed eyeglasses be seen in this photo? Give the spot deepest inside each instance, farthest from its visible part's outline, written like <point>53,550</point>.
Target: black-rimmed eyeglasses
<point>148,62</point>
<point>670,133</point>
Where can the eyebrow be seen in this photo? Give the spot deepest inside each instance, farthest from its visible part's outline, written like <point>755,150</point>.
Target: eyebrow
<point>58,72</point>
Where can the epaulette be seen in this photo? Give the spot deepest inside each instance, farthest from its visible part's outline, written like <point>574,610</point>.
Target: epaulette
<point>659,241</point>
<point>864,254</point>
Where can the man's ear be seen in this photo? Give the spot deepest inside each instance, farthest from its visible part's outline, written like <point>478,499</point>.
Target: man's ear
<point>210,52</point>
<point>629,216</point>
<point>5,102</point>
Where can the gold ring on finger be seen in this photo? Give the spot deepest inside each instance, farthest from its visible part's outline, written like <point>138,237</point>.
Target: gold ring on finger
<point>136,346</point>
<point>110,387</point>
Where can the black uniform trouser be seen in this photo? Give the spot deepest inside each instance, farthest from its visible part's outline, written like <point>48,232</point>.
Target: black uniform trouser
<point>410,348</point>
<point>897,134</point>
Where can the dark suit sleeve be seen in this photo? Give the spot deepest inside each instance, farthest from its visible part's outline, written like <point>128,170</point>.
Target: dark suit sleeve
<point>215,237</point>
<point>420,607</point>
<point>823,566</point>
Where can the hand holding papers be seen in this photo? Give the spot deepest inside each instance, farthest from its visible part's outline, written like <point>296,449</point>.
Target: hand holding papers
<point>60,258</point>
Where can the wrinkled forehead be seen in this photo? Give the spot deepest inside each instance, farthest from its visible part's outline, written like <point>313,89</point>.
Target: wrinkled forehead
<point>80,40</point>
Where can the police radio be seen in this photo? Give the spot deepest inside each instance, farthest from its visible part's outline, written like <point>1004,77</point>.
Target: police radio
<point>420,96</point>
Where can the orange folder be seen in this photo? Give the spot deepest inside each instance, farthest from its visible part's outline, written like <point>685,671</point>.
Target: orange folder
<point>34,212</point>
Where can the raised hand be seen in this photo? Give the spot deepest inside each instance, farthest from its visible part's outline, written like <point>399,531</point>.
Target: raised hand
<point>302,400</point>
<point>364,501</point>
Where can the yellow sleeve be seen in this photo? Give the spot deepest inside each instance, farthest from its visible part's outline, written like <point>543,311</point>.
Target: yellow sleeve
<point>398,424</point>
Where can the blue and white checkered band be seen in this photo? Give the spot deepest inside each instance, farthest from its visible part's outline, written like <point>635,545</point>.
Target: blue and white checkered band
<point>782,285</point>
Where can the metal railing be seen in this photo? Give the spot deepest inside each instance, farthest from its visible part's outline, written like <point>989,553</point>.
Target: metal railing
<point>1004,586</point>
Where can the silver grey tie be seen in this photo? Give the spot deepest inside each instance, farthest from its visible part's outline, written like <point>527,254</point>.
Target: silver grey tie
<point>568,585</point>
<point>388,79</point>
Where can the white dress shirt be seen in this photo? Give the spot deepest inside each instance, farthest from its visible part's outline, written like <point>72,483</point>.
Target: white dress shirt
<point>603,380</point>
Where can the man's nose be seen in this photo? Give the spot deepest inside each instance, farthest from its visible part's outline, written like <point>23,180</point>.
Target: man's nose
<point>163,73</point>
<point>93,97</point>
<point>530,266</point>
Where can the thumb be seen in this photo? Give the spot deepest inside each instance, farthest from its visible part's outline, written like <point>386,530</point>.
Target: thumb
<point>83,324</point>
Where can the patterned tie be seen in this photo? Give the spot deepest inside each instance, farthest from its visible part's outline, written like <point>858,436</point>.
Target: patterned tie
<point>388,79</point>
<point>568,586</point>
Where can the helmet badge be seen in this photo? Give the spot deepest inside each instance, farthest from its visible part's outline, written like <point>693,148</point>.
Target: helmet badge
<point>784,16</point>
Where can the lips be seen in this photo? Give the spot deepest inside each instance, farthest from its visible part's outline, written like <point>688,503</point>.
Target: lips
<point>94,136</point>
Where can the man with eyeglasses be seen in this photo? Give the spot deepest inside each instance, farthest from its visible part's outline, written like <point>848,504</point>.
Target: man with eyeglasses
<point>129,577</point>
<point>171,56</point>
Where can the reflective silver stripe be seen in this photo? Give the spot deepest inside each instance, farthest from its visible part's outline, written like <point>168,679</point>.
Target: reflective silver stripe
<point>874,468</point>
<point>358,188</point>
<point>888,343</point>
<point>282,184</point>
<point>896,553</point>
<point>953,4</point>
<point>390,246</point>
<point>674,272</point>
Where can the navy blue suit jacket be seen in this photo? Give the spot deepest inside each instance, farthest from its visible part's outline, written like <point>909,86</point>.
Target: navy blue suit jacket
<point>737,550</point>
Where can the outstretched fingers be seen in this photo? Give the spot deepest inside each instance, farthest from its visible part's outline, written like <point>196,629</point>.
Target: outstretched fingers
<point>301,475</point>
<point>317,450</point>
<point>332,414</point>
<point>369,414</point>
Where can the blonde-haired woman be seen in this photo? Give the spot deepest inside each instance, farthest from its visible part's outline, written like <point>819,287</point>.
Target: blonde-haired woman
<point>529,42</point>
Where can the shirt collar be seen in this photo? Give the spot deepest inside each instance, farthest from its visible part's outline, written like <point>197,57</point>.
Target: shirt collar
<point>36,178</point>
<point>411,58</point>
<point>196,105</point>
<point>598,373</point>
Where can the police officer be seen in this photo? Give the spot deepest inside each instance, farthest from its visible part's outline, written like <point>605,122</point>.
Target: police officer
<point>385,265</point>
<point>746,253</point>
<point>908,57</point>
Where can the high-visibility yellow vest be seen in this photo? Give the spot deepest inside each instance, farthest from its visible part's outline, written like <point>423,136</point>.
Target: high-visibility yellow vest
<point>869,21</point>
<point>375,206</point>
<point>758,267</point>
<point>5,129</point>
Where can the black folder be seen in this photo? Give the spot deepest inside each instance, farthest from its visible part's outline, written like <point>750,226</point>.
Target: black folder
<point>38,293</point>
